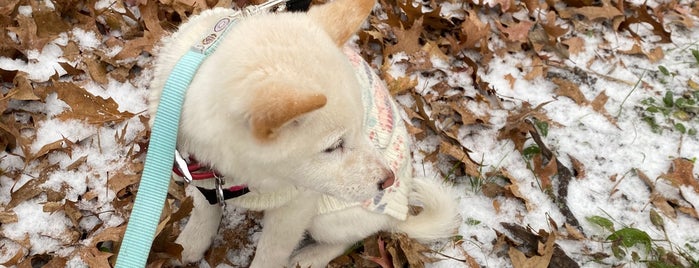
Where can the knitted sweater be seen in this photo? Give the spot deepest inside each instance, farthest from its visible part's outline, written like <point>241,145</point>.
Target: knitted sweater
<point>384,126</point>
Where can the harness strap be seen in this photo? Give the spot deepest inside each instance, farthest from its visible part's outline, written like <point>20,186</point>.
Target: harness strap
<point>229,193</point>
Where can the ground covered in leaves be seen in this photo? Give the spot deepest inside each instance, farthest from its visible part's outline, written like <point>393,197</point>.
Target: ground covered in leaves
<point>570,128</point>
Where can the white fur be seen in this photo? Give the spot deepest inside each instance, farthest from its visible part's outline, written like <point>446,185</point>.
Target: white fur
<point>288,52</point>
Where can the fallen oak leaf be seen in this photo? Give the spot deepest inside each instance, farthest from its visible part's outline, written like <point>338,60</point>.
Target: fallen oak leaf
<point>598,105</point>
<point>30,189</point>
<point>86,106</point>
<point>408,40</point>
<point>23,88</point>
<point>681,173</point>
<point>94,257</point>
<point>569,89</point>
<point>516,32</point>
<point>642,14</point>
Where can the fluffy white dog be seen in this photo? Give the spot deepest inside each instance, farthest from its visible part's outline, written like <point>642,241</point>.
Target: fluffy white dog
<point>305,124</point>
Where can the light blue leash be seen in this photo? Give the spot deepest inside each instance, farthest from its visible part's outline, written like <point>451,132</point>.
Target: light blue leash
<point>152,191</point>
<point>155,180</point>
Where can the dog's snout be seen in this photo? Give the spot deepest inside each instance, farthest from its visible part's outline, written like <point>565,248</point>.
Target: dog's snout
<point>388,181</point>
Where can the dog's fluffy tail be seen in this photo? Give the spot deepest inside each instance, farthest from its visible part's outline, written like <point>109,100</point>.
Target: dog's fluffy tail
<point>439,217</point>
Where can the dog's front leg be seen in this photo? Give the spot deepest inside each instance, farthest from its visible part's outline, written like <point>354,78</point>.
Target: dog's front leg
<point>197,235</point>
<point>282,229</point>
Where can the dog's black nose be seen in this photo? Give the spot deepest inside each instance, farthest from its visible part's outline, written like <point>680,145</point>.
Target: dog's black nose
<point>388,181</point>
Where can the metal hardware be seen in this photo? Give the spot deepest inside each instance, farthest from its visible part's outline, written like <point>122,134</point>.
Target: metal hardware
<point>272,5</point>
<point>182,166</point>
<point>220,181</point>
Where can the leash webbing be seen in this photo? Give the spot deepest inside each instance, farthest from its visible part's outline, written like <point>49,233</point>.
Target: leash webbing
<point>152,191</point>
<point>155,180</point>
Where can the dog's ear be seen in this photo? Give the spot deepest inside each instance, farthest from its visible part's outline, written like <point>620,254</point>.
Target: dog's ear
<point>342,18</point>
<point>271,109</point>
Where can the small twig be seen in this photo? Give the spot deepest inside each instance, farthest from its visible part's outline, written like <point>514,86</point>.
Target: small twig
<point>564,178</point>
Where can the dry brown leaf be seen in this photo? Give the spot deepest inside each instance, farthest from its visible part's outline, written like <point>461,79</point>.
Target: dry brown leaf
<point>516,129</point>
<point>96,69</point>
<point>108,234</point>
<point>15,259</point>
<point>27,33</point>
<point>511,80</point>
<point>496,206</point>
<point>537,69</point>
<point>516,32</point>
<point>73,212</point>
<point>49,23</point>
<point>459,154</point>
<point>519,260</point>
<point>642,14</point>
<point>408,40</point>
<point>578,167</point>
<point>598,105</point>
<point>29,190</point>
<point>475,32</point>
<point>573,232</point>
<point>88,107</point>
<point>514,190</point>
<point>23,88</point>
<point>681,173</point>
<point>48,148</point>
<point>545,172</point>
<point>661,203</point>
<point>121,180</point>
<point>605,12</point>
<point>8,217</point>
<point>94,257</point>
<point>569,89</point>
<point>575,45</point>
<point>552,29</point>
<point>467,116</point>
<point>400,85</point>
<point>52,206</point>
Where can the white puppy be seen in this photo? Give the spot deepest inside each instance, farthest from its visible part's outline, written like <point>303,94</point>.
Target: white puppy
<point>281,107</point>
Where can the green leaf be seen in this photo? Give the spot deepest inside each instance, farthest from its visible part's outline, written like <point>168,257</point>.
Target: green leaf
<point>668,100</point>
<point>618,252</point>
<point>543,127</point>
<point>472,222</point>
<point>631,236</point>
<point>663,70</point>
<point>692,131</point>
<point>682,115</point>
<point>695,53</point>
<point>680,127</point>
<point>602,222</point>
<point>653,109</point>
<point>531,151</point>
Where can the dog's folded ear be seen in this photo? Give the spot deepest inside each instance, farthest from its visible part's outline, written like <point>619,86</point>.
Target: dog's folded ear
<point>342,18</point>
<point>272,109</point>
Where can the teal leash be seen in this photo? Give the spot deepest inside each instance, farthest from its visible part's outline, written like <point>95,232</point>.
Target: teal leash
<point>152,191</point>
<point>155,180</point>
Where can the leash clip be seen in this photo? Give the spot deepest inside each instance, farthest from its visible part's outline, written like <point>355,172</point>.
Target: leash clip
<point>220,181</point>
<point>273,5</point>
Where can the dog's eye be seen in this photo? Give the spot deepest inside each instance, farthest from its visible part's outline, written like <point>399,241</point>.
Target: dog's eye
<point>338,145</point>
